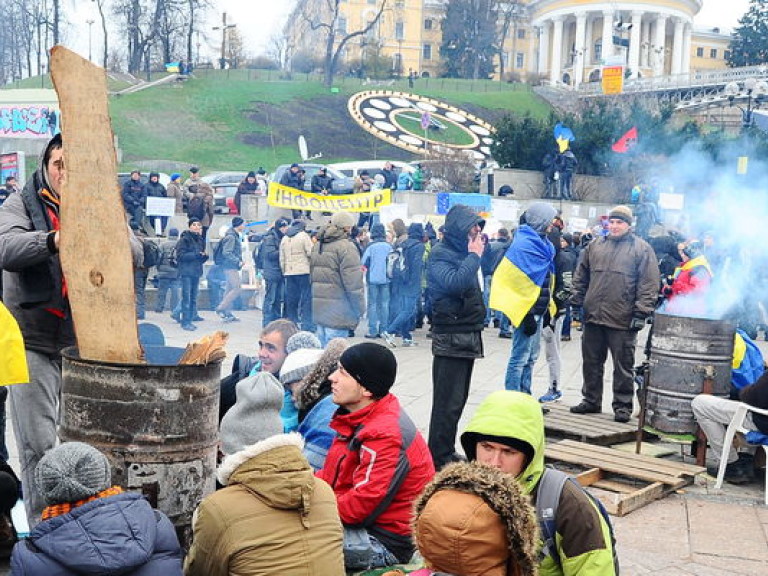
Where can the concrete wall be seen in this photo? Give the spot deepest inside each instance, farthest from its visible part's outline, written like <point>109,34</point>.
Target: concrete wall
<point>529,184</point>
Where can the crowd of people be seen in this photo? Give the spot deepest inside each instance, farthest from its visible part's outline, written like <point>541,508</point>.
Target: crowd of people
<point>322,469</point>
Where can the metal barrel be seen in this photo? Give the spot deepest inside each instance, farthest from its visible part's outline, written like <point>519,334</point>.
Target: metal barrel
<point>157,425</point>
<point>682,349</point>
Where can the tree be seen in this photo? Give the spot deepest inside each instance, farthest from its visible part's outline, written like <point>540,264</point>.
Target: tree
<point>509,13</point>
<point>749,43</point>
<point>469,33</point>
<point>324,16</point>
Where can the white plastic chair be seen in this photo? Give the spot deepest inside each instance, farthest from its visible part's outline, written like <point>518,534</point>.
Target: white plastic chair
<point>737,425</point>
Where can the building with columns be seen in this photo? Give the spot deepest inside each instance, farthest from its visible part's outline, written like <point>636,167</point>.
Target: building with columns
<point>558,41</point>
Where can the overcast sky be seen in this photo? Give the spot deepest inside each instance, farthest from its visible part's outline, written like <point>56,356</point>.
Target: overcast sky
<point>258,20</point>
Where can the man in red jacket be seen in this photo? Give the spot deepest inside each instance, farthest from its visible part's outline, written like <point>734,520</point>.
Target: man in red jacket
<point>378,463</point>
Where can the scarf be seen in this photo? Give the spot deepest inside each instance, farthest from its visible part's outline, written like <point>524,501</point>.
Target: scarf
<point>67,507</point>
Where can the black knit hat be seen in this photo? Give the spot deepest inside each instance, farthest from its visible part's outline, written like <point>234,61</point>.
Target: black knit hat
<point>372,365</point>
<point>470,440</point>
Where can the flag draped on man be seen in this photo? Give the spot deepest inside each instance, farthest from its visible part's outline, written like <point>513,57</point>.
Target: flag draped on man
<point>516,283</point>
<point>13,359</point>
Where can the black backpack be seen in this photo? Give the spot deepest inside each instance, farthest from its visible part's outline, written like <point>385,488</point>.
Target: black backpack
<point>218,253</point>
<point>196,207</point>
<point>395,263</point>
<point>152,253</point>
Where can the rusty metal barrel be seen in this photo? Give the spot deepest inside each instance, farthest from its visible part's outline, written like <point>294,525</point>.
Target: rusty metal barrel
<point>682,350</point>
<point>157,424</point>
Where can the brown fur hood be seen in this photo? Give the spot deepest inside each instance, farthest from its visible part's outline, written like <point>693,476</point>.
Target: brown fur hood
<point>457,515</point>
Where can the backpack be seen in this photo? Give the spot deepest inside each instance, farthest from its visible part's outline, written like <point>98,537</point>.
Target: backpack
<point>218,253</point>
<point>196,207</point>
<point>395,262</point>
<point>151,254</point>
<point>547,502</point>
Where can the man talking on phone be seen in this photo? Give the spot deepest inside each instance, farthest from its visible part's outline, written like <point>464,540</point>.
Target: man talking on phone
<point>458,314</point>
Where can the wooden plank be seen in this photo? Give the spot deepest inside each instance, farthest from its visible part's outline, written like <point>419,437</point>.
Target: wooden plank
<point>614,486</point>
<point>95,251</point>
<point>593,428</point>
<point>655,463</point>
<point>616,462</point>
<point>640,498</point>
<point>589,477</point>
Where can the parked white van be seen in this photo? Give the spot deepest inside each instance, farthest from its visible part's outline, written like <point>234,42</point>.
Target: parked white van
<point>374,167</point>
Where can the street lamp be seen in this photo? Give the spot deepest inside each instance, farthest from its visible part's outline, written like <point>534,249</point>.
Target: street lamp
<point>754,91</point>
<point>90,23</point>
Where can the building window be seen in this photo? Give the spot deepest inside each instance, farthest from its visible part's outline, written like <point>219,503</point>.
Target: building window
<point>399,30</point>
<point>713,53</point>
<point>426,52</point>
<point>428,24</point>
<point>521,33</point>
<point>341,25</point>
<point>699,52</point>
<point>727,55</point>
<point>520,60</point>
<point>397,63</point>
<point>598,52</point>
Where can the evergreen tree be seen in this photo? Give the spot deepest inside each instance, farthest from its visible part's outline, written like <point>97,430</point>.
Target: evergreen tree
<point>469,30</point>
<point>749,43</point>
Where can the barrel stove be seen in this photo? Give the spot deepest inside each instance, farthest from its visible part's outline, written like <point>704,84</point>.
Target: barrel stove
<point>157,424</point>
<point>683,349</point>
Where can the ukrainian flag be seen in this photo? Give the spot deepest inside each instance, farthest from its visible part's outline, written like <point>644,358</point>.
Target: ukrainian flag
<point>13,358</point>
<point>516,283</point>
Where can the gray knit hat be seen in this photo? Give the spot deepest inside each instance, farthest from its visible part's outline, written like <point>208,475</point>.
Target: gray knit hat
<point>302,339</point>
<point>256,414</point>
<point>298,364</point>
<point>70,472</point>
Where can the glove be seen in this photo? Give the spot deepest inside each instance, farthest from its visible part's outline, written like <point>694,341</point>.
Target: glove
<point>636,324</point>
<point>529,325</point>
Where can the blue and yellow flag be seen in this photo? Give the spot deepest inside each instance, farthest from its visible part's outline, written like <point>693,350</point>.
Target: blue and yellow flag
<point>13,359</point>
<point>516,283</point>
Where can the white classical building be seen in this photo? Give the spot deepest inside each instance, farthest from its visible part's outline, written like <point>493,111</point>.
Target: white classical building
<point>577,37</point>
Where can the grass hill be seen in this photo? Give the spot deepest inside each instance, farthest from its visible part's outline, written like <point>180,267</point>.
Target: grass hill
<point>242,119</point>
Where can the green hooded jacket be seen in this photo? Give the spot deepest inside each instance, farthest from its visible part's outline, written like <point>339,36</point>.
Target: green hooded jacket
<point>583,538</point>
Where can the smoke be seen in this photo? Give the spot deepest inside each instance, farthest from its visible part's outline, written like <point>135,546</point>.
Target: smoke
<point>728,211</point>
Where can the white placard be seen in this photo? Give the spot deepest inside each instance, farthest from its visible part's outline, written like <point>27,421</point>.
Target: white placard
<point>392,212</point>
<point>592,211</point>
<point>578,224</point>
<point>575,210</point>
<point>669,201</point>
<point>161,206</point>
<point>505,210</point>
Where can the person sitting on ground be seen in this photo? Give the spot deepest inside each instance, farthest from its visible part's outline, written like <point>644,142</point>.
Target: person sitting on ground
<point>475,520</point>
<point>378,462</point>
<point>272,516</point>
<point>713,414</point>
<point>313,398</point>
<point>304,351</point>
<point>272,353</point>
<point>92,527</point>
<point>507,432</point>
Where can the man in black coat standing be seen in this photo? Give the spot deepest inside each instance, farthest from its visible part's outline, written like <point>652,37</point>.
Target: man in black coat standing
<point>191,255</point>
<point>458,313</point>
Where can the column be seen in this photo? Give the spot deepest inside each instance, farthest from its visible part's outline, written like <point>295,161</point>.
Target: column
<point>557,51</point>
<point>634,44</point>
<point>645,41</point>
<point>589,57</point>
<point>677,47</point>
<point>579,46</point>
<point>687,35</point>
<point>544,42</point>
<point>659,45</point>
<point>607,35</point>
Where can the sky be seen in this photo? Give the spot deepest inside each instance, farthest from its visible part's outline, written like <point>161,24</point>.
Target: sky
<point>259,20</point>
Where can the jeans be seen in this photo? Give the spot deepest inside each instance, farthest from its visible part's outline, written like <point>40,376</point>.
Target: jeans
<point>363,551</point>
<point>403,322</point>
<point>189,288</point>
<point>298,301</point>
<point>164,286</point>
<point>567,321</point>
<point>35,416</point>
<point>272,309</point>
<point>525,351</point>
<point>378,308</point>
<point>140,286</point>
<point>504,323</point>
<point>486,297</point>
<point>326,334</point>
<point>233,291</point>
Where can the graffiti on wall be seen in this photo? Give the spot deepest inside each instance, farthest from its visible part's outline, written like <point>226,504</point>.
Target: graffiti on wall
<point>28,121</point>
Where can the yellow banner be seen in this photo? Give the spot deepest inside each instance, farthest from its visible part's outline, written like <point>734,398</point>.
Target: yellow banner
<point>613,79</point>
<point>285,197</point>
<point>13,359</point>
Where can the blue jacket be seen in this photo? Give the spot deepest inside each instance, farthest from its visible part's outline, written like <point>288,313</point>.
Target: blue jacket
<point>317,432</point>
<point>375,259</point>
<point>119,534</point>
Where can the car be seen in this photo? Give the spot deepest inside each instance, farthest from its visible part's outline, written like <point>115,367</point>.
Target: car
<point>123,177</point>
<point>224,186</point>
<point>373,167</point>
<point>342,184</point>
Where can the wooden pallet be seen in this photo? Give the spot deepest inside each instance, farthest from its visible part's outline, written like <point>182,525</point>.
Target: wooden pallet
<point>625,481</point>
<point>591,428</point>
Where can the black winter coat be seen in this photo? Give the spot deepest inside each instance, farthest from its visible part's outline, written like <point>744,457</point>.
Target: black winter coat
<point>190,252</point>
<point>458,312</point>
<point>268,257</point>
